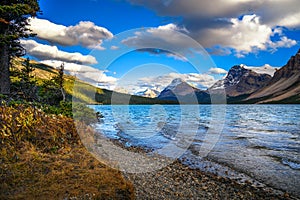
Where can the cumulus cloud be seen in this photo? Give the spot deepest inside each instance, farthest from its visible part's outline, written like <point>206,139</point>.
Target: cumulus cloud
<point>168,39</point>
<point>233,26</point>
<point>85,73</point>
<point>240,36</point>
<point>283,42</point>
<point>243,35</point>
<point>273,12</point>
<point>217,70</point>
<point>85,33</point>
<point>47,52</point>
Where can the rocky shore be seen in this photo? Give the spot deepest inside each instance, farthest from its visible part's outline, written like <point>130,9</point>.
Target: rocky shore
<point>179,181</point>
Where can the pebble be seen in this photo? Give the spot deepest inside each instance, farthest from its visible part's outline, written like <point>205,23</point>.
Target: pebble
<point>178,181</point>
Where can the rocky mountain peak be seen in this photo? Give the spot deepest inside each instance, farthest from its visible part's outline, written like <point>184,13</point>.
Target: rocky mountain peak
<point>291,68</point>
<point>294,62</point>
<point>235,74</point>
<point>179,90</point>
<point>150,93</point>
<point>175,83</point>
<point>284,86</point>
<point>177,87</point>
<point>240,80</point>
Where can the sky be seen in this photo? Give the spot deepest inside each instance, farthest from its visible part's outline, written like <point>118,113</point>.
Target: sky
<point>132,45</point>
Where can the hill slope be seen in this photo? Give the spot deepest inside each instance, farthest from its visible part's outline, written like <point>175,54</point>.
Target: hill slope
<point>284,87</point>
<point>81,91</point>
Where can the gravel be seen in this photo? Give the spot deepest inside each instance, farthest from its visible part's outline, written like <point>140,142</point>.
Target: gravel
<point>177,181</point>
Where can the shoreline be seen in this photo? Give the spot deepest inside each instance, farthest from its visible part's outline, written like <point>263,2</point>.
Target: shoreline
<point>178,180</point>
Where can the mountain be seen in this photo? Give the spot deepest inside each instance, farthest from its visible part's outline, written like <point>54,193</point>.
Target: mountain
<point>284,87</point>
<point>149,93</point>
<point>182,92</point>
<point>241,81</point>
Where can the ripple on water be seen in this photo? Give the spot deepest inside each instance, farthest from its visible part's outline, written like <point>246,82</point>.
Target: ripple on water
<point>291,164</point>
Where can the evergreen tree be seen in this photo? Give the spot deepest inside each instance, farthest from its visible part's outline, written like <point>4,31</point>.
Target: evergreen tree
<point>60,81</point>
<point>14,16</point>
<point>52,90</point>
<point>28,83</point>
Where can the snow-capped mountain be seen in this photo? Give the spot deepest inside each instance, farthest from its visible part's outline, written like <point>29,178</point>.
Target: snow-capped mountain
<point>150,93</point>
<point>177,87</point>
<point>181,91</point>
<point>240,81</point>
<point>174,84</point>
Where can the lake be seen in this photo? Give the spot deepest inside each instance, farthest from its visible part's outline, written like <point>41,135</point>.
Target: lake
<point>257,141</point>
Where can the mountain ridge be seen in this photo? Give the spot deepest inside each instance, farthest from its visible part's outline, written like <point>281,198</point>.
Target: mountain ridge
<point>241,81</point>
<point>181,91</point>
<point>244,85</point>
<point>284,85</point>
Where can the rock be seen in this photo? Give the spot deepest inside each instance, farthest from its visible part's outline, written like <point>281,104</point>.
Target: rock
<point>284,87</point>
<point>241,81</point>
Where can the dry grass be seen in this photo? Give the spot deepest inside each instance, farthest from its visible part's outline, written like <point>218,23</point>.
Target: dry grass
<point>70,173</point>
<point>29,170</point>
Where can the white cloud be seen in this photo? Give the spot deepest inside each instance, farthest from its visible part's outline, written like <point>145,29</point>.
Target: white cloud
<point>234,26</point>
<point>217,70</point>
<point>168,39</point>
<point>292,20</point>
<point>86,73</point>
<point>85,33</point>
<point>273,12</point>
<point>244,36</point>
<point>283,42</point>
<point>47,52</point>
<point>114,47</point>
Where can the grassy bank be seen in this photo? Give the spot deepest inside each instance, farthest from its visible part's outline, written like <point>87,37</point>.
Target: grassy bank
<point>42,157</point>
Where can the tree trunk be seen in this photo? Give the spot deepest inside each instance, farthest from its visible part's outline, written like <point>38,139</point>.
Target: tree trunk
<point>4,70</point>
<point>63,94</point>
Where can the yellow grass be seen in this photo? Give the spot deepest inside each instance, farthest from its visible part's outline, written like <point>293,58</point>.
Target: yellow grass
<point>45,159</point>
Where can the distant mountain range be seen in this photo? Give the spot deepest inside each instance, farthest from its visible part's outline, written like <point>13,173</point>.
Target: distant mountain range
<point>242,84</point>
<point>245,85</point>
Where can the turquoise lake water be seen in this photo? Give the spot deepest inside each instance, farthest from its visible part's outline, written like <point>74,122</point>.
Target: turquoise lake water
<point>261,141</point>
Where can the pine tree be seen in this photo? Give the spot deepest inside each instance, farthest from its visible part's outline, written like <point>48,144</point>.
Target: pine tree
<point>28,83</point>
<point>60,81</point>
<point>52,90</point>
<point>14,16</point>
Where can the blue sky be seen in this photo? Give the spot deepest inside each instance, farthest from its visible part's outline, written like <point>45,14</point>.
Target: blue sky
<point>235,32</point>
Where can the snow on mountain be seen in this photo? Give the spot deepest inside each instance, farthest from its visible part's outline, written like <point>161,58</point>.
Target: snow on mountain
<point>174,84</point>
<point>241,80</point>
<point>265,69</point>
<point>150,93</point>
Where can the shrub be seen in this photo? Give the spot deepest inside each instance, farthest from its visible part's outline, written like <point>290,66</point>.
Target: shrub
<point>83,113</point>
<point>20,123</point>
